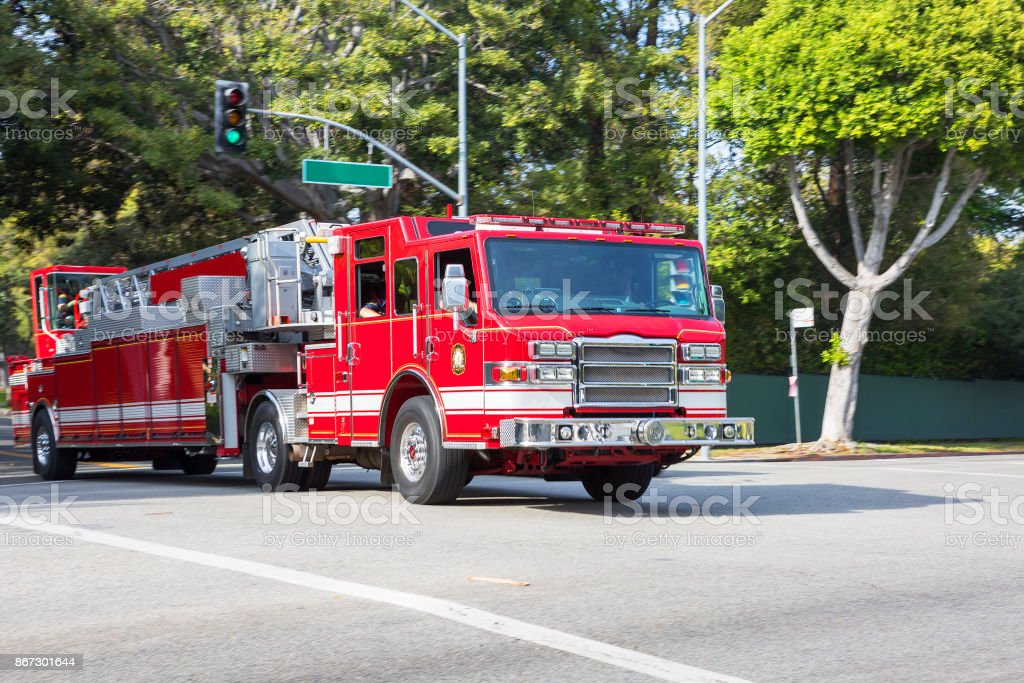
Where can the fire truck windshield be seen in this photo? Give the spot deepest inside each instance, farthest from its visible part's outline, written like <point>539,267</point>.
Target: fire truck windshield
<point>64,290</point>
<point>542,276</point>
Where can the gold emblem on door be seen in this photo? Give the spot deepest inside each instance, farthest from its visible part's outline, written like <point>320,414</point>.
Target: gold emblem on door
<point>458,359</point>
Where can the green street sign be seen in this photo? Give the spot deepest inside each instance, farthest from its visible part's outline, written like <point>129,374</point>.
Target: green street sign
<point>345,173</point>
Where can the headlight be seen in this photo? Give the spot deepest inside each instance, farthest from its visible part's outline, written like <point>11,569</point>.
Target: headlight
<point>553,373</point>
<point>553,350</point>
<point>702,351</point>
<point>701,375</point>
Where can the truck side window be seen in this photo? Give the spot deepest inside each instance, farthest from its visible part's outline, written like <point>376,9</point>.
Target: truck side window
<point>406,283</point>
<point>465,258</point>
<point>371,288</point>
<point>371,247</point>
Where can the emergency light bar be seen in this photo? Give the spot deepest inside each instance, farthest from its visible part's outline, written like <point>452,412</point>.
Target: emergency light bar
<point>576,224</point>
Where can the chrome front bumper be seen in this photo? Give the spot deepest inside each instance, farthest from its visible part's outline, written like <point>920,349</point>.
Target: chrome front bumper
<point>616,432</point>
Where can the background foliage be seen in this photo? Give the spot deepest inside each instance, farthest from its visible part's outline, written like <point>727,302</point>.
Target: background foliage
<point>577,107</point>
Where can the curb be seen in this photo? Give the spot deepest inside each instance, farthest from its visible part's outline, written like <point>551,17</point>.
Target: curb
<point>866,456</point>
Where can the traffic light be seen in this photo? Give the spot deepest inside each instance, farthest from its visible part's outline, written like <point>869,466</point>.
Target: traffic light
<point>229,114</point>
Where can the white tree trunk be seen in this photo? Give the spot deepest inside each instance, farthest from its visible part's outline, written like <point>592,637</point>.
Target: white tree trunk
<point>841,399</point>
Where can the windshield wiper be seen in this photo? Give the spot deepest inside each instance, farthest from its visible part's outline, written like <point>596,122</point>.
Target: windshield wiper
<point>621,310</point>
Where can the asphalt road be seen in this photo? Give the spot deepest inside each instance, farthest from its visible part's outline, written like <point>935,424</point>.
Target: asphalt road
<point>865,570</point>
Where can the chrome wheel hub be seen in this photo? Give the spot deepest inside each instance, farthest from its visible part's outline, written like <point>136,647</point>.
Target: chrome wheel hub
<point>43,447</point>
<point>266,448</point>
<point>413,450</point>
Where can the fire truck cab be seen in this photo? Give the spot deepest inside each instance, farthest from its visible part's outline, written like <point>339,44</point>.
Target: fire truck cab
<point>431,349</point>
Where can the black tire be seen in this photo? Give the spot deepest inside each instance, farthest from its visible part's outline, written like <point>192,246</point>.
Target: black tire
<point>317,476</point>
<point>48,461</point>
<point>605,482</point>
<point>439,474</point>
<point>268,453</point>
<point>201,463</point>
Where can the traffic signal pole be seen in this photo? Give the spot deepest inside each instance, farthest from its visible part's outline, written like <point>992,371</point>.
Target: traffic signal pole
<point>460,40</point>
<point>369,139</point>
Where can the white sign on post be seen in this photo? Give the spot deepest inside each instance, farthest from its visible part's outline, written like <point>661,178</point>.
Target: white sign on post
<point>798,317</point>
<point>802,317</point>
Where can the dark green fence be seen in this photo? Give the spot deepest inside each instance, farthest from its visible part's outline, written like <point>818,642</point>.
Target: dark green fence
<point>889,408</point>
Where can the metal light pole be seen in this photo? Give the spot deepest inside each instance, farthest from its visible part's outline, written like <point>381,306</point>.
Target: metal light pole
<point>702,123</point>
<point>460,40</point>
<point>798,318</point>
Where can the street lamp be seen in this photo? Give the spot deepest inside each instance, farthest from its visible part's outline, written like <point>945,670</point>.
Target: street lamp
<point>702,140</point>
<point>460,40</point>
<point>702,123</point>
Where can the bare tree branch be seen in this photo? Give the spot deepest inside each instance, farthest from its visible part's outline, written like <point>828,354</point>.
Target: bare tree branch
<point>925,238</point>
<point>316,200</point>
<point>810,236</point>
<point>851,201</point>
<point>886,195</point>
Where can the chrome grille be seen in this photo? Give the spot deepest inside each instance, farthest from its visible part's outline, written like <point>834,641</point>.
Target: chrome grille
<point>626,395</point>
<point>627,374</point>
<point>625,353</point>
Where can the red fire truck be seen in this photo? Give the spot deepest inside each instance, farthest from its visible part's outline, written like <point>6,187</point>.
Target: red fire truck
<point>431,349</point>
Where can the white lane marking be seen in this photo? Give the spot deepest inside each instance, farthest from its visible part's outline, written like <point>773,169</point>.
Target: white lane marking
<point>463,614</point>
<point>969,474</point>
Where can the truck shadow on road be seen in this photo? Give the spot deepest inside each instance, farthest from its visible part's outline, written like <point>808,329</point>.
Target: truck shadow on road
<point>681,497</point>
<point>717,501</point>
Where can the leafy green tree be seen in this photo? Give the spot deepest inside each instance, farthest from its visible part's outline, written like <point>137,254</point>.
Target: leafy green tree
<point>868,94</point>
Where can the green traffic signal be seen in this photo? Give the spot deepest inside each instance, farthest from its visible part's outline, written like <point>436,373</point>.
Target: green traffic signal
<point>231,100</point>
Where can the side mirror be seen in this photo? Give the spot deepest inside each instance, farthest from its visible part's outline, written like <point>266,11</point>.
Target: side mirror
<point>454,288</point>
<point>718,302</point>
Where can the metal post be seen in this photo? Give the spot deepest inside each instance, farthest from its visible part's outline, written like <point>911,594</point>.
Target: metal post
<point>371,141</point>
<point>702,123</point>
<point>796,381</point>
<point>463,147</point>
<point>702,134</point>
<point>460,40</point>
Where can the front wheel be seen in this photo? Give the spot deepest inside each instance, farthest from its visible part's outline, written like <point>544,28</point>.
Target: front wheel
<point>622,481</point>
<point>426,473</point>
<point>48,461</point>
<point>268,453</point>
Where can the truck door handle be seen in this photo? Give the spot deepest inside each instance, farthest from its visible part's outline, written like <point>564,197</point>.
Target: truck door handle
<point>428,348</point>
<point>351,352</point>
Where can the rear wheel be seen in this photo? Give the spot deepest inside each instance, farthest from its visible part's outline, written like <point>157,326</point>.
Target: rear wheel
<point>48,461</point>
<point>622,481</point>
<point>317,476</point>
<point>426,473</point>
<point>268,453</point>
